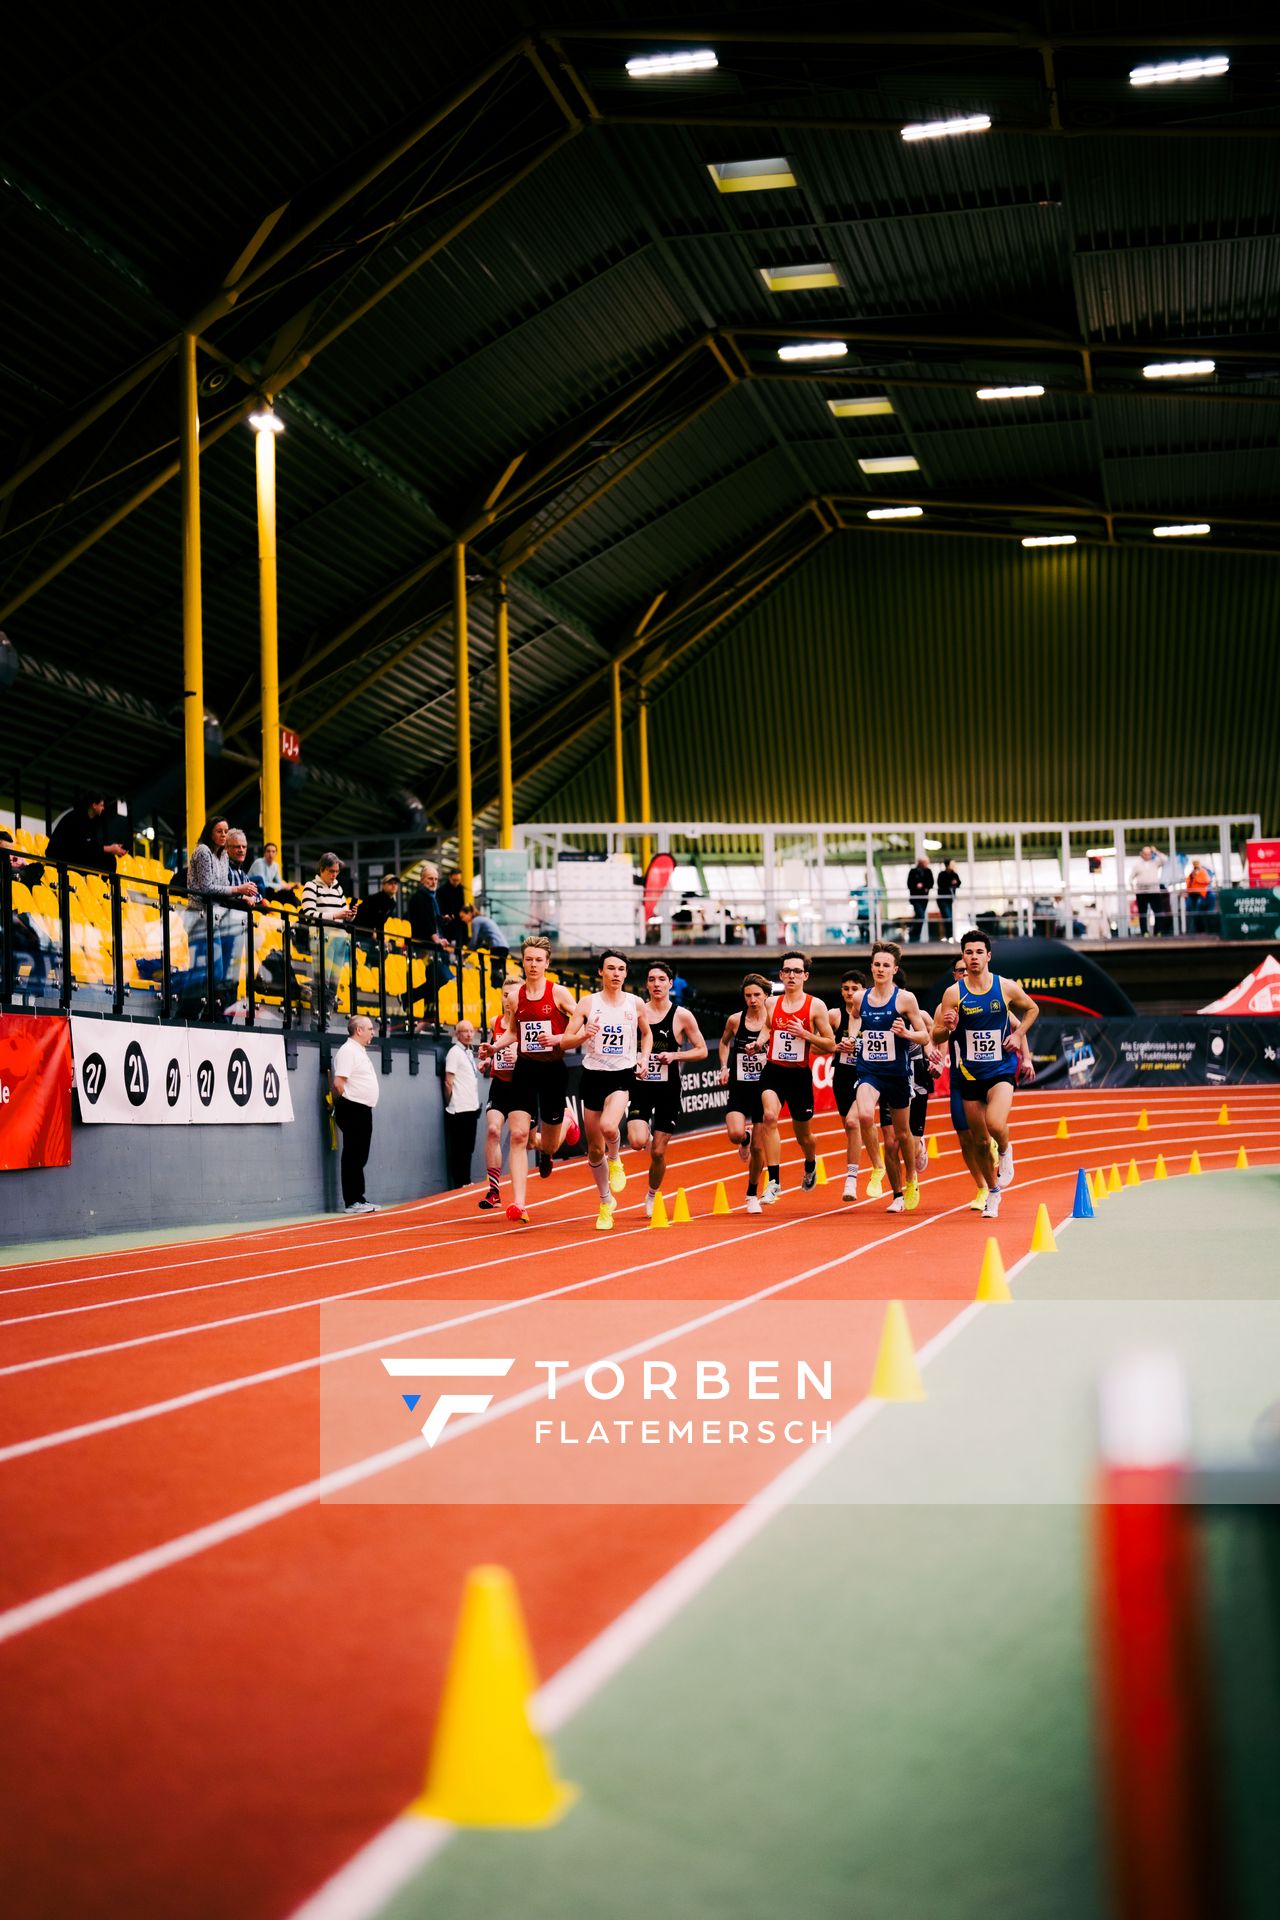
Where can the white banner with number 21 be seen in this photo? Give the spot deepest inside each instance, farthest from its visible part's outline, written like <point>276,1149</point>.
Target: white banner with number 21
<point>128,1074</point>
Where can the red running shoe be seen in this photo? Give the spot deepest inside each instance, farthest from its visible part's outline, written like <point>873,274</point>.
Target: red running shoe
<point>517,1216</point>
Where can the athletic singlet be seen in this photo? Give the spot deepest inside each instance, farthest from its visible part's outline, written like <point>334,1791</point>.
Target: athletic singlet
<point>983,1029</point>
<point>786,1048</point>
<point>536,1019</point>
<point>745,1067</point>
<point>664,1041</point>
<point>841,1021</point>
<point>879,1048</point>
<point>503,1064</point>
<point>615,1047</point>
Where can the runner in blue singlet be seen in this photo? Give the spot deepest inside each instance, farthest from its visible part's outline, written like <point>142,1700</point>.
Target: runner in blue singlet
<point>974,1019</point>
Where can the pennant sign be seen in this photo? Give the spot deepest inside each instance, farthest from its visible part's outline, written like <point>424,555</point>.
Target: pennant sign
<point>35,1091</point>
<point>657,877</point>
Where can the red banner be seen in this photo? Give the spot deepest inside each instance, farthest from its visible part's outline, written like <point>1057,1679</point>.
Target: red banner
<point>35,1091</point>
<point>1263,857</point>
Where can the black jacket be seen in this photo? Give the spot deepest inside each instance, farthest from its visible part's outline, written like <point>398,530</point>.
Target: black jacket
<point>920,881</point>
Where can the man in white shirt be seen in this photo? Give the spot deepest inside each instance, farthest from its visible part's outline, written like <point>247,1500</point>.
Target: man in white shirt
<point>355,1095</point>
<point>1147,881</point>
<point>461,1105</point>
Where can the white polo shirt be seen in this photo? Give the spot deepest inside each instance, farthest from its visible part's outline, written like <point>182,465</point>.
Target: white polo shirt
<point>466,1088</point>
<point>352,1063</point>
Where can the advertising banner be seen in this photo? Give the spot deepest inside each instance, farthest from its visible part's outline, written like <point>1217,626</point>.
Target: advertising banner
<point>133,1075</point>
<point>35,1091</point>
<point>1189,1052</point>
<point>1263,860</point>
<point>1250,913</point>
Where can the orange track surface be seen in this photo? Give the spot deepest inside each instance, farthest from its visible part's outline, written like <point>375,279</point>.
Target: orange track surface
<point>218,1736</point>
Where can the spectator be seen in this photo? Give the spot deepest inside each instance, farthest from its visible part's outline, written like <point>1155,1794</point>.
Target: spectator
<point>483,932</point>
<point>25,938</point>
<point>234,929</point>
<point>426,929</point>
<point>1199,885</point>
<point>209,881</point>
<point>355,1095</point>
<point>271,882</point>
<point>920,886</point>
<point>949,884</point>
<point>78,839</point>
<point>325,904</point>
<point>373,913</point>
<point>1147,881</point>
<point>461,1106</point>
<point>451,899</point>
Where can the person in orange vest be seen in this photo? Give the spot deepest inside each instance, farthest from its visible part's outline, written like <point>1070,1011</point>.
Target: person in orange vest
<point>1198,883</point>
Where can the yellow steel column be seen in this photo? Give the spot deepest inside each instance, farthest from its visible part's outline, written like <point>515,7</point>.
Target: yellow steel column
<point>266,426</point>
<point>192,609</point>
<point>642,747</point>
<point>619,775</point>
<point>506,800</point>
<point>461,671</point>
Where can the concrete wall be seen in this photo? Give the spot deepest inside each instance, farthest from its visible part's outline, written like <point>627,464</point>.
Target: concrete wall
<point>129,1178</point>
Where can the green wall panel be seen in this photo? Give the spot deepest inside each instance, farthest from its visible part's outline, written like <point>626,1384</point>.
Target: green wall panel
<point>899,677</point>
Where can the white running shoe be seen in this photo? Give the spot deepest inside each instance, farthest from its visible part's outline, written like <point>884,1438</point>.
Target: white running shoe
<point>991,1205</point>
<point>922,1155</point>
<point>850,1187</point>
<point>1004,1168</point>
<point>648,1203</point>
<point>772,1190</point>
<point>362,1206</point>
<point>753,1203</point>
<point>897,1204</point>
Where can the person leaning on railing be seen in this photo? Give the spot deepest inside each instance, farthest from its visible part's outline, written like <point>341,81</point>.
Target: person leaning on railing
<point>209,880</point>
<point>324,903</point>
<point>26,942</point>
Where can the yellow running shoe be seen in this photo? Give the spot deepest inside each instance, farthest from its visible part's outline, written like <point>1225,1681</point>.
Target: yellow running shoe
<point>911,1195</point>
<point>978,1201</point>
<point>875,1185</point>
<point>604,1218</point>
<point>617,1176</point>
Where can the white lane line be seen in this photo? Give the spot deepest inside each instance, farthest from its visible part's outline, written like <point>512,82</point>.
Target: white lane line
<point>140,1566</point>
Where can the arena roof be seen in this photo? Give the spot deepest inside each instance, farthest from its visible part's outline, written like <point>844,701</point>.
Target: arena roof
<point>498,294</point>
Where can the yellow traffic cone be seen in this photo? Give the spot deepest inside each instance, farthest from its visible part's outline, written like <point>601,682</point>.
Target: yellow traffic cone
<point>820,1171</point>
<point>1114,1182</point>
<point>1195,1166</point>
<point>1224,1118</point>
<point>933,1146</point>
<point>1242,1158</point>
<point>721,1202</point>
<point>897,1377</point>
<point>658,1218</point>
<point>488,1768</point>
<point>1042,1240</point>
<point>681,1216</point>
<point>992,1285</point>
<point>1062,1133</point>
<point>1133,1178</point>
<point>1099,1185</point>
<point>1161,1172</point>
<point>1144,1125</point>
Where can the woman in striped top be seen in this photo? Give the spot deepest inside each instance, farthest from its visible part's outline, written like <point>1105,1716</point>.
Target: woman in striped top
<point>324,901</point>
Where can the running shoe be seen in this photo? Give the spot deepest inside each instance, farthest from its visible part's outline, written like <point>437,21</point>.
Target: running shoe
<point>744,1147</point>
<point>648,1203</point>
<point>922,1155</point>
<point>604,1218</point>
<point>753,1203</point>
<point>991,1205</point>
<point>850,1187</point>
<point>897,1204</point>
<point>810,1179</point>
<point>544,1166</point>
<point>362,1206</point>
<point>875,1185</point>
<point>911,1195</point>
<point>492,1199</point>
<point>772,1191</point>
<point>978,1201</point>
<point>617,1176</point>
<point>1004,1168</point>
<point>517,1216</point>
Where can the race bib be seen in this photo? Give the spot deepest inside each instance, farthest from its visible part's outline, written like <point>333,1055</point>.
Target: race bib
<point>786,1047</point>
<point>982,1046</point>
<point>505,1062</point>
<point>534,1035</point>
<point>878,1046</point>
<point>611,1041</point>
<point>844,1059</point>
<point>750,1066</point>
<point>653,1071</point>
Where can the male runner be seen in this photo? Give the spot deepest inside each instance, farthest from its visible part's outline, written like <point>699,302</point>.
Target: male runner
<point>889,1020</point>
<point>922,1074</point>
<point>612,1028</point>
<point>543,1012</point>
<point>844,1074</point>
<point>656,1104</point>
<point>499,1062</point>
<point>976,1009</point>
<point>798,1024</point>
<point>743,1045</point>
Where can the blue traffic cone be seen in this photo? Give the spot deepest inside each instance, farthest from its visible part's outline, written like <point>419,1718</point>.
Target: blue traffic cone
<point>1083,1208</point>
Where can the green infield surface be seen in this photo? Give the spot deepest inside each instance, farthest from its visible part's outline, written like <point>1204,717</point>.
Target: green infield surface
<point>881,1705</point>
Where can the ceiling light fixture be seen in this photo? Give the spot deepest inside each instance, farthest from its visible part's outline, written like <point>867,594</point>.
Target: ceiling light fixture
<point>1010,393</point>
<point>861,407</point>
<point>1207,67</point>
<point>751,176</point>
<point>266,422</point>
<point>814,350</point>
<point>944,129</point>
<point>891,463</point>
<point>1177,369</point>
<point>1049,540</point>
<point>894,513</point>
<point>819,273</point>
<point>657,66</point>
<point>1176,533</point>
